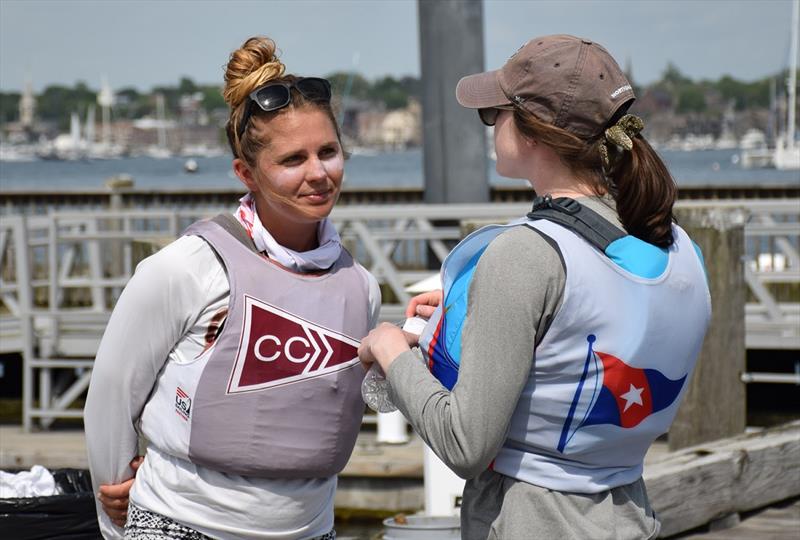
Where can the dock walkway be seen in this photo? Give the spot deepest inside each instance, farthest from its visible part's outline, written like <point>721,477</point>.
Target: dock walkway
<point>777,522</point>
<point>389,476</point>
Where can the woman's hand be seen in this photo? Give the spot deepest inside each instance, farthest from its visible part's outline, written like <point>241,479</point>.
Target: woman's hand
<point>383,344</point>
<point>424,304</point>
<point>114,497</point>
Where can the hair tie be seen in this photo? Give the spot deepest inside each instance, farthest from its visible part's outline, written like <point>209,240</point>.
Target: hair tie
<point>621,135</point>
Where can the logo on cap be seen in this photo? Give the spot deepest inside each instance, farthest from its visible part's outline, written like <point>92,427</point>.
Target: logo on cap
<point>620,90</point>
<point>279,348</point>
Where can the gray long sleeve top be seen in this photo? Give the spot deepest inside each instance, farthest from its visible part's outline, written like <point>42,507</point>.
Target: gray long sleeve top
<point>514,294</point>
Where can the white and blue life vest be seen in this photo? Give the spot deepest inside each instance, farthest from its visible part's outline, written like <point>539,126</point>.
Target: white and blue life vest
<point>610,372</point>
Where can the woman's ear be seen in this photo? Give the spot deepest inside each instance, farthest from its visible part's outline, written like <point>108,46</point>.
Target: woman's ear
<point>244,174</point>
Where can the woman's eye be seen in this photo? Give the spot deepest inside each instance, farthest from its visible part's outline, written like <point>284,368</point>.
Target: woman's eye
<point>328,152</point>
<point>292,160</point>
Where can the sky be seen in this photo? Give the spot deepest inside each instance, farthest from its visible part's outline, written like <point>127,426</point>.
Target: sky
<point>147,43</point>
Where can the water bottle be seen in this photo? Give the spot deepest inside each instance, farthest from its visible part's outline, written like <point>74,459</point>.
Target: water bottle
<point>375,390</point>
<point>375,387</point>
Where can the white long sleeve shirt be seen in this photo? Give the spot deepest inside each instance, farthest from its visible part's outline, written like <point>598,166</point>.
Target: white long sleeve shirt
<point>167,314</point>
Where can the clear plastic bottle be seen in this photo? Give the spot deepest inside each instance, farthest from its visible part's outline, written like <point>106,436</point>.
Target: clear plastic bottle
<point>375,388</point>
<point>375,391</point>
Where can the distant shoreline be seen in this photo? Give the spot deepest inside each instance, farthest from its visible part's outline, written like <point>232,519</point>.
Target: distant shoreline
<point>384,170</point>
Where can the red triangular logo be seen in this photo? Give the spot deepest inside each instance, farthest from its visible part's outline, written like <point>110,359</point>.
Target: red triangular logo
<point>279,348</point>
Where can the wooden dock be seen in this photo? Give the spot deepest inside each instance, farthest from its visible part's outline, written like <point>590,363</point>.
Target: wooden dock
<point>778,522</point>
<point>747,485</point>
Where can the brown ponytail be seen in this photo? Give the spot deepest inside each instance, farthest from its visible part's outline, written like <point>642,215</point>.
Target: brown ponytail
<point>639,181</point>
<point>645,193</point>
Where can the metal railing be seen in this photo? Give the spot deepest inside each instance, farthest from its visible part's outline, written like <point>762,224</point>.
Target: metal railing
<point>60,275</point>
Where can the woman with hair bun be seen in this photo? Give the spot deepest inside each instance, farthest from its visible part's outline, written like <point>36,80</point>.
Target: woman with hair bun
<point>561,344</point>
<point>232,351</point>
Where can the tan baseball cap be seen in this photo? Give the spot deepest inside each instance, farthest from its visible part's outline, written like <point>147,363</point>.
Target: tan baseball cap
<point>569,82</point>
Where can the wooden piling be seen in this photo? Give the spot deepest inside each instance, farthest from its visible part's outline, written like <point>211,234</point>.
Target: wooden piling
<point>454,149</point>
<point>714,406</point>
<point>713,483</point>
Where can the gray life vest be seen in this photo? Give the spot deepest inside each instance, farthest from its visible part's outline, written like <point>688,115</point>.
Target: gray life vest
<point>278,394</point>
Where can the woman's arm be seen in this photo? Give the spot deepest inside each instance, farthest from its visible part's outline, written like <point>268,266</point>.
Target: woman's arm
<point>516,289</point>
<point>161,301</point>
<point>114,498</point>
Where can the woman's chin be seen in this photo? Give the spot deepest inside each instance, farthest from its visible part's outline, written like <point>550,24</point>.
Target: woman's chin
<point>318,211</point>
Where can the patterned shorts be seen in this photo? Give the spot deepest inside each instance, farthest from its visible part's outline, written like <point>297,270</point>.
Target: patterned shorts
<point>145,525</point>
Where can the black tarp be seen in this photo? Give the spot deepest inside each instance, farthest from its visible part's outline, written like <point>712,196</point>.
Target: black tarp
<point>68,516</point>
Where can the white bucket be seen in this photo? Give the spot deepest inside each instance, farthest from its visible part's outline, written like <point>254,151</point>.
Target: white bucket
<point>423,528</point>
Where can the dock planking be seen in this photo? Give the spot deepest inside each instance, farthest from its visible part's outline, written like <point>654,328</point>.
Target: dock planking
<point>382,479</point>
<point>780,521</point>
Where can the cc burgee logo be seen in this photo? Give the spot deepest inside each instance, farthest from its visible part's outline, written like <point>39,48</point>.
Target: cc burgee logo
<point>279,348</point>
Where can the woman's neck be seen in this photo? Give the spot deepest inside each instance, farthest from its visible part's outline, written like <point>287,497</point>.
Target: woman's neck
<point>296,240</point>
<point>298,237</point>
<point>561,187</point>
<point>556,179</point>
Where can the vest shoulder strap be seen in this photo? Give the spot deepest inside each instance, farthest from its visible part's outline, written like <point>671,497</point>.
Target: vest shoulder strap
<point>576,217</point>
<point>235,229</point>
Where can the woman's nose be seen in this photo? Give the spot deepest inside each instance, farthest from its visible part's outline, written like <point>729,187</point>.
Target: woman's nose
<point>315,170</point>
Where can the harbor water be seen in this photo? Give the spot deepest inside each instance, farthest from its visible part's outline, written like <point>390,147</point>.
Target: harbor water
<point>382,170</point>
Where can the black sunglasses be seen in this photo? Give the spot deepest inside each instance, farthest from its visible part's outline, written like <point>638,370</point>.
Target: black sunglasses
<point>277,95</point>
<point>489,116</point>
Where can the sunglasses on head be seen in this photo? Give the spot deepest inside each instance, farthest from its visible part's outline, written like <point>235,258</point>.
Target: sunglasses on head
<point>489,116</point>
<point>277,95</point>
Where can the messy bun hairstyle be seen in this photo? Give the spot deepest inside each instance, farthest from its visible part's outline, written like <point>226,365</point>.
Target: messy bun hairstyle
<point>252,65</point>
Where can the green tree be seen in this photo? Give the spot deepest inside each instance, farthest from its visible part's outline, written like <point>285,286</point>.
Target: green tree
<point>673,77</point>
<point>359,86</point>
<point>745,95</point>
<point>171,98</point>
<point>56,103</point>
<point>131,104</point>
<point>412,86</point>
<point>389,91</point>
<point>186,86</point>
<point>691,98</point>
<point>212,98</point>
<point>9,106</point>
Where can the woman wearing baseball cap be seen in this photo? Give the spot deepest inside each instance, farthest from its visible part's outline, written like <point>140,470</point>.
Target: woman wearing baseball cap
<point>561,344</point>
<point>232,350</point>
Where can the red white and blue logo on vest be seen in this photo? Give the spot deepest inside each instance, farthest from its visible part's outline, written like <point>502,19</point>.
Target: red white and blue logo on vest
<point>621,395</point>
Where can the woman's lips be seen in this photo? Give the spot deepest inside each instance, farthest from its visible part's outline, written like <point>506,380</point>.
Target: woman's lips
<point>319,196</point>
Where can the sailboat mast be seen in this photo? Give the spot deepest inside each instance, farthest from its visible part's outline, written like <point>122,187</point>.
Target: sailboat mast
<point>162,119</point>
<point>793,75</point>
<point>106,99</point>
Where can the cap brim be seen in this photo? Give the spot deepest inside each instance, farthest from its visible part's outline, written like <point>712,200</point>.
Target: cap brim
<point>481,91</point>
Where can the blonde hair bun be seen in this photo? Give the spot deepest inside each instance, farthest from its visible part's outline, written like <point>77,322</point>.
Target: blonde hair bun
<point>252,65</point>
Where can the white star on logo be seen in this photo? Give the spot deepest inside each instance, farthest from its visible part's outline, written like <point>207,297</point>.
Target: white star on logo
<point>634,395</point>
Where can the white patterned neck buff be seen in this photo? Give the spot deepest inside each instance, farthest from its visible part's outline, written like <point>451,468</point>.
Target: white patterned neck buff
<point>319,258</point>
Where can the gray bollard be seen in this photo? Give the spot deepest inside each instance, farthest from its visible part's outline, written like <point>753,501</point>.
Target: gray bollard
<point>715,405</point>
